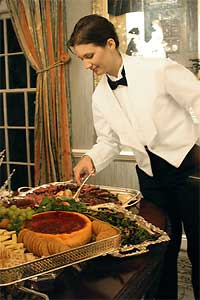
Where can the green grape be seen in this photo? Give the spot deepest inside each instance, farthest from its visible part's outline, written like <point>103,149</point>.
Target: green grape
<point>2,210</point>
<point>23,214</point>
<point>20,218</point>
<point>10,213</point>
<point>29,216</point>
<point>17,212</point>
<point>16,216</point>
<point>29,208</point>
<point>13,207</point>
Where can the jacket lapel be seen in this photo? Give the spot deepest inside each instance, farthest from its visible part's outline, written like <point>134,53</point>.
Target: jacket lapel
<point>117,117</point>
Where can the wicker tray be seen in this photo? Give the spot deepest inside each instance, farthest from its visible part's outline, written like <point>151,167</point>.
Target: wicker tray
<point>58,261</point>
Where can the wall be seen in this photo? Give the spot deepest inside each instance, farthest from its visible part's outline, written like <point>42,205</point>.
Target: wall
<point>179,24</point>
<point>81,84</point>
<point>3,6</point>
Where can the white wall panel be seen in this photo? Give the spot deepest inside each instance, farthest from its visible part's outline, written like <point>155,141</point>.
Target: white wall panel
<point>118,174</point>
<point>81,84</point>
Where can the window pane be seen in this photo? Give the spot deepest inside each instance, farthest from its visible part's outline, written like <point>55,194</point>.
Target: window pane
<point>1,37</point>
<point>17,145</point>
<point>2,73</point>
<point>1,111</point>
<point>31,141</point>
<point>15,109</point>
<point>17,71</point>
<point>20,177</point>
<point>33,77</point>
<point>2,140</point>
<point>31,108</point>
<point>32,175</point>
<point>13,45</point>
<point>3,174</point>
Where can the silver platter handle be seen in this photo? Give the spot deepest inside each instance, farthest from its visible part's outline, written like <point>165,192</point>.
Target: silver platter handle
<point>131,202</point>
<point>24,189</point>
<point>134,200</point>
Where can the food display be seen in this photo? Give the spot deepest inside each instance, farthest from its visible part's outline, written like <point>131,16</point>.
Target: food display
<point>12,217</point>
<point>136,233</point>
<point>102,230</point>
<point>89,194</point>
<point>55,231</point>
<point>11,251</point>
<point>50,236</point>
<point>131,232</point>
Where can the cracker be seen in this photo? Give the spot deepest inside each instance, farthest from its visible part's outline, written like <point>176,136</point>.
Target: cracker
<point>43,247</point>
<point>21,234</point>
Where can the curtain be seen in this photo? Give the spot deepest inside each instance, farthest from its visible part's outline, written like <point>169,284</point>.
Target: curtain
<point>40,26</point>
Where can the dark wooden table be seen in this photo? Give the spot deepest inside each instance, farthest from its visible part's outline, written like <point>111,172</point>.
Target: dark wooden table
<point>115,278</point>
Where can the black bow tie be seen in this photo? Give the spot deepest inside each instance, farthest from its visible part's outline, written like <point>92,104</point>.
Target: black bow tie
<point>122,81</point>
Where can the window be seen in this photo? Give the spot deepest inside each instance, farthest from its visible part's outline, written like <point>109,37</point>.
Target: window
<point>17,108</point>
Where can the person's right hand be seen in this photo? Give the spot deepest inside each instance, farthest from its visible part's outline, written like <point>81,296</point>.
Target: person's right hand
<point>83,168</point>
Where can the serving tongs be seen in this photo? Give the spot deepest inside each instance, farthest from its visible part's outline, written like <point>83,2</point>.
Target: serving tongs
<point>76,195</point>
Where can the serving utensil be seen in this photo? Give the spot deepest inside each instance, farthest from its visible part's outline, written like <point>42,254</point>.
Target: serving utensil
<point>75,197</point>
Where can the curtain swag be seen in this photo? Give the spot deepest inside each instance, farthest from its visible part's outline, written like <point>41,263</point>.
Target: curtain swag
<point>62,61</point>
<point>41,29</point>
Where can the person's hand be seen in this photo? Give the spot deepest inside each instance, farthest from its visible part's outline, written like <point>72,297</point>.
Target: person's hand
<point>83,168</point>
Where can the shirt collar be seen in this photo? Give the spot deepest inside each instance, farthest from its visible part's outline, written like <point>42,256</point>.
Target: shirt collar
<point>119,76</point>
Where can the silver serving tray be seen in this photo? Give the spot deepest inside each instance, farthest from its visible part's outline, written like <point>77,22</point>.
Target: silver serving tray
<point>58,261</point>
<point>137,249</point>
<point>128,197</point>
<point>49,264</point>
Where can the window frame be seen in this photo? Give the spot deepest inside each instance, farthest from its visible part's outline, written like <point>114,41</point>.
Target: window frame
<point>7,91</point>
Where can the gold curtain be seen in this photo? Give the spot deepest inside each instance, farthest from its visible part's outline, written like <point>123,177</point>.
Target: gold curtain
<point>40,26</point>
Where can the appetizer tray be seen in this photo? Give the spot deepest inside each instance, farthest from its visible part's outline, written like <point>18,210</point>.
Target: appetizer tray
<point>125,197</point>
<point>58,261</point>
<point>155,234</point>
<point>113,245</point>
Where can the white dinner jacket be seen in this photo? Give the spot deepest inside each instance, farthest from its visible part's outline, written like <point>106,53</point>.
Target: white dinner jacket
<point>163,103</point>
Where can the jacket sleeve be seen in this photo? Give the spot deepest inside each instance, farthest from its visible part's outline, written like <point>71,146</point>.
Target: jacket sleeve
<point>184,87</point>
<point>107,144</point>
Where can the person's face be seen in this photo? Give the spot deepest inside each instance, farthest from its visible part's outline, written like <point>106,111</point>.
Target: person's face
<point>96,58</point>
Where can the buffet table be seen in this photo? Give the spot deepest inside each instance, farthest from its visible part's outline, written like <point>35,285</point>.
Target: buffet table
<point>114,278</point>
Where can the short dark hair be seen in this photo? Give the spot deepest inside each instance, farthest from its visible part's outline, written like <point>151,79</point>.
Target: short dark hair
<point>93,29</point>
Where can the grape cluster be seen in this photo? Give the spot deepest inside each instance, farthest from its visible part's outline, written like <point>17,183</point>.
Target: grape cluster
<point>15,216</point>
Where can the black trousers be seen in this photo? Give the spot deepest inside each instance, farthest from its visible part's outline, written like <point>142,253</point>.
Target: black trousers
<point>179,196</point>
